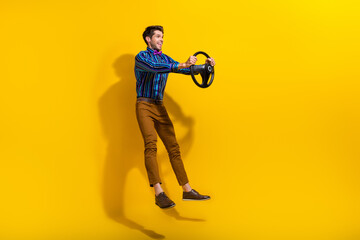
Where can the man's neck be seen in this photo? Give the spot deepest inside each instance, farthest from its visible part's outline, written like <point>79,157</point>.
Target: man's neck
<point>154,49</point>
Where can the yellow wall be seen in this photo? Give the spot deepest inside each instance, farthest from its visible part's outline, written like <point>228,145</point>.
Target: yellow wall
<point>274,140</point>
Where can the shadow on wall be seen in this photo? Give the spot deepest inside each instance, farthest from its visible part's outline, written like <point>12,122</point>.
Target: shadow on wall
<point>125,147</point>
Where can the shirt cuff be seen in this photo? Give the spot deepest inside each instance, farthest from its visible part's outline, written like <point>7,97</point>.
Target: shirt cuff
<point>174,67</point>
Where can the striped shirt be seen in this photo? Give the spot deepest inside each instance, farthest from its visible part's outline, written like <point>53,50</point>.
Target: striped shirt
<point>152,71</point>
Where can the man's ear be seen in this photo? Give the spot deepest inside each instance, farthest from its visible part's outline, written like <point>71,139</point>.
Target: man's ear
<point>148,39</point>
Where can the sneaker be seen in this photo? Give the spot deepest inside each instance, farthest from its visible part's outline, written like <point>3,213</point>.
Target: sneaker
<point>163,201</point>
<point>193,195</point>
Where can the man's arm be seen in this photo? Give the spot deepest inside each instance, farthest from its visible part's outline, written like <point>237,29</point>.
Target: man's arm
<point>183,67</point>
<point>143,63</point>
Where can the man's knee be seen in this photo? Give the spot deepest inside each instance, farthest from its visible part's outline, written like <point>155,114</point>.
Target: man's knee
<point>150,146</point>
<point>174,151</point>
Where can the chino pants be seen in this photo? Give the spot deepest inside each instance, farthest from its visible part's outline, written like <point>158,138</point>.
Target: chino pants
<point>153,118</point>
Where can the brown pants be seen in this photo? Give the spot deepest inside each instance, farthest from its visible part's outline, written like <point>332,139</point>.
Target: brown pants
<point>152,118</point>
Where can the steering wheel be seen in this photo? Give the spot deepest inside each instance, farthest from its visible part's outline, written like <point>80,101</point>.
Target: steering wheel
<point>205,71</point>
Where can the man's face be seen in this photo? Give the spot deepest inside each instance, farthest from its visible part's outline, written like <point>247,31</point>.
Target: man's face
<point>156,41</point>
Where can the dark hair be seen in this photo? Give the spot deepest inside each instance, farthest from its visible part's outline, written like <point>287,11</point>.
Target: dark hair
<point>149,31</point>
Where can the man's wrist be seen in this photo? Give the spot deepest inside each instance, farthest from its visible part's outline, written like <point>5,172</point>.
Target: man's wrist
<point>182,65</point>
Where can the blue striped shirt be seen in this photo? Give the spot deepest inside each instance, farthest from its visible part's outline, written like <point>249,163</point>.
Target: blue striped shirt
<point>152,71</point>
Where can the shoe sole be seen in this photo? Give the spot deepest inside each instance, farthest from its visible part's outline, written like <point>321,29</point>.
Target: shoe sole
<point>171,206</point>
<point>196,199</point>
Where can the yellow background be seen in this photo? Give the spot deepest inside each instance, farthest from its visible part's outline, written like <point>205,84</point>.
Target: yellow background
<point>274,140</point>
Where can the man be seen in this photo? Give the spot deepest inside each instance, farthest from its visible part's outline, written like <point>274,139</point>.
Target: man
<point>152,68</point>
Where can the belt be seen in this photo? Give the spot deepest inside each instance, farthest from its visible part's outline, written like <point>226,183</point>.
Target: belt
<point>150,100</point>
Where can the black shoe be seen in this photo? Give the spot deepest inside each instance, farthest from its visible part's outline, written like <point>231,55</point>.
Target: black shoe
<point>193,195</point>
<point>163,201</point>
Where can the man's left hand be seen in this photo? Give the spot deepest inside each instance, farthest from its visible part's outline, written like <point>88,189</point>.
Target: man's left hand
<point>210,61</point>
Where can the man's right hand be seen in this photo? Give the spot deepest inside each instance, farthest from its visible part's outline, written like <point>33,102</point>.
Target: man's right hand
<point>191,61</point>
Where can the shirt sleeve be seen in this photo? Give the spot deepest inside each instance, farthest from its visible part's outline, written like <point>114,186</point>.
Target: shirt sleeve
<point>144,63</point>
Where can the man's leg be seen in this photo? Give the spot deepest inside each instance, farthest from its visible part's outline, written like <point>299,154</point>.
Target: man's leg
<point>144,114</point>
<point>165,129</point>
<point>147,115</point>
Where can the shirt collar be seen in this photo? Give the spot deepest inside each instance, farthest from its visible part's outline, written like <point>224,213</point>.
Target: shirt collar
<point>150,50</point>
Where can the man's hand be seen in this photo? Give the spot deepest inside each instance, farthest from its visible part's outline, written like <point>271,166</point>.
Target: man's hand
<point>191,61</point>
<point>210,61</point>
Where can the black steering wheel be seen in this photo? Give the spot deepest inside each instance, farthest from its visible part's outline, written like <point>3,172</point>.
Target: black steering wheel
<point>205,71</point>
